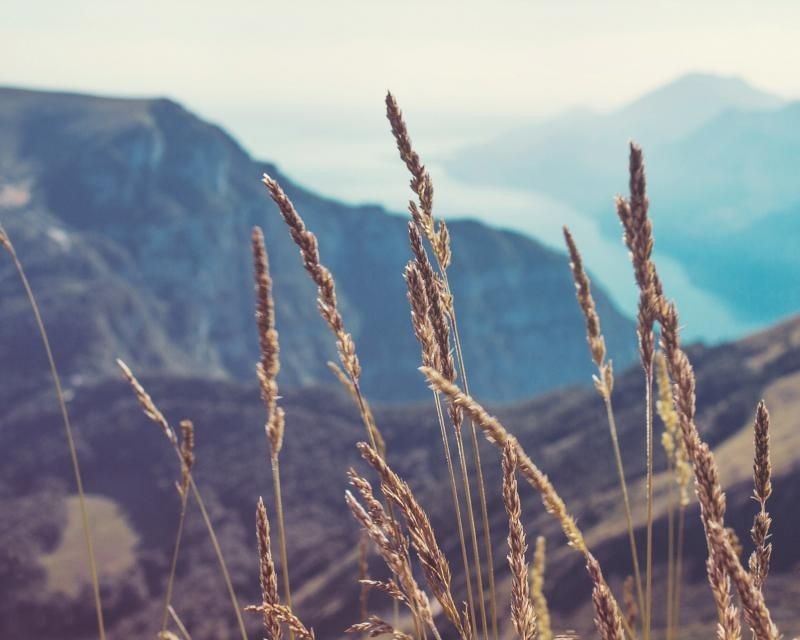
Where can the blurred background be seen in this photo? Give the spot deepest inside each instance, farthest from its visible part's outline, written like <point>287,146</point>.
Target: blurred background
<point>132,141</point>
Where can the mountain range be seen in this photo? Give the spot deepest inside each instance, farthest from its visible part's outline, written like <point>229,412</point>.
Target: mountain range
<point>722,161</point>
<point>133,219</point>
<point>129,473</point>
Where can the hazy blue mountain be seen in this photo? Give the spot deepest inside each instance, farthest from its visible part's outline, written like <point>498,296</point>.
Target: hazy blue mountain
<point>134,219</point>
<point>722,159</point>
<point>578,156</point>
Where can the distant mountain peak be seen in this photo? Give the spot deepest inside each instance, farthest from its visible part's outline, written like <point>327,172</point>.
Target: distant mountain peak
<point>704,93</point>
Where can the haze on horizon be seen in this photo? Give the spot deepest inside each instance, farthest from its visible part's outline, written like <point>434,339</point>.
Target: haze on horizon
<point>512,59</point>
<point>302,84</point>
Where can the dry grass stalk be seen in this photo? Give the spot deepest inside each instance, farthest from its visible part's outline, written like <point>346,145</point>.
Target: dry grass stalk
<point>187,462</point>
<point>608,619</point>
<point>681,472</point>
<point>326,301</point>
<point>367,416</point>
<point>583,292</point>
<point>439,239</point>
<point>540,608</point>
<point>639,239</point>
<point>149,407</point>
<point>497,434</point>
<point>762,480</point>
<point>440,353</point>
<point>522,613</point>
<point>604,382</point>
<point>435,331</point>
<point>284,615</point>
<point>629,602</point>
<point>709,491</point>
<point>755,609</point>
<point>154,414</point>
<point>363,573</point>
<point>392,546</point>
<point>375,626</point>
<point>268,578</point>
<point>670,442</point>
<point>389,587</point>
<point>8,246</point>
<point>179,624</point>
<point>326,287</point>
<point>267,369</point>
<point>269,365</point>
<point>421,183</point>
<point>434,563</point>
<point>187,455</point>
<point>420,318</point>
<point>707,484</point>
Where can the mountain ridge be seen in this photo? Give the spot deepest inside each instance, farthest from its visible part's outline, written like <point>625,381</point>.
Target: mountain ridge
<point>720,160</point>
<point>129,466</point>
<point>166,202</point>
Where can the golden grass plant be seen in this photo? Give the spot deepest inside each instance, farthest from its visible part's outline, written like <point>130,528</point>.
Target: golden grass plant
<point>396,526</point>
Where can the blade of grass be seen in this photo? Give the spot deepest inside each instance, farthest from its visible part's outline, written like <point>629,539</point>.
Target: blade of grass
<point>5,242</point>
<point>153,413</point>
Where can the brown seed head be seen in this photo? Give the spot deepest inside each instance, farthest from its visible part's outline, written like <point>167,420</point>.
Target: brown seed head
<point>421,183</point>
<point>583,292</point>
<point>522,614</point>
<point>146,402</point>
<point>187,454</point>
<point>433,561</point>
<point>540,607</point>
<point>607,615</point>
<point>283,615</point>
<point>267,575</point>
<point>326,288</point>
<point>497,434</point>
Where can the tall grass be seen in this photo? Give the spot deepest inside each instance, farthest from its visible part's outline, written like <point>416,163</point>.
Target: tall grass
<point>8,246</point>
<point>396,524</point>
<point>433,318</point>
<point>152,412</point>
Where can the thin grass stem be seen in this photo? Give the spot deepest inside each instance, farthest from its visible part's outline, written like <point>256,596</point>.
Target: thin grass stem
<point>174,562</point>
<point>612,427</point>
<point>179,623</point>
<point>676,624</point>
<point>87,534</point>
<point>276,485</point>
<point>479,470</point>
<point>220,558</point>
<point>457,506</point>
<point>670,548</point>
<point>476,555</point>
<point>649,558</point>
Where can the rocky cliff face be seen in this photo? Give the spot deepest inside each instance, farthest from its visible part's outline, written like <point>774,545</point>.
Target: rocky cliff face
<point>133,217</point>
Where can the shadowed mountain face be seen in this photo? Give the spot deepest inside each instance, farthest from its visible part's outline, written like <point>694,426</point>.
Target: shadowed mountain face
<point>134,216</point>
<point>129,472</point>
<point>721,166</point>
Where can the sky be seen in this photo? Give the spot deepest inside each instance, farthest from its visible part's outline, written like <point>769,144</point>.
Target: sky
<point>509,58</point>
<point>301,83</point>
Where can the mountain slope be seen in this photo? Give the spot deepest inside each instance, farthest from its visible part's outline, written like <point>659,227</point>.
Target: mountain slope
<point>721,167</point>
<point>156,206</point>
<point>579,147</point>
<point>129,471</point>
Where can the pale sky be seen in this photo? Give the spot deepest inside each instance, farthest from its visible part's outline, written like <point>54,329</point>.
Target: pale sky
<point>507,58</point>
<point>302,83</point>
